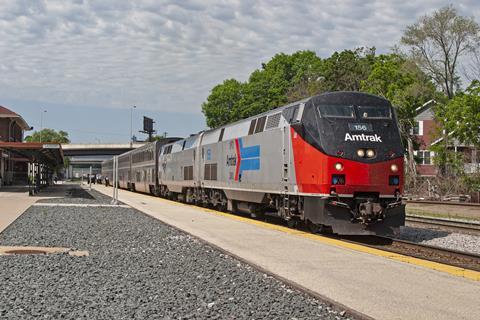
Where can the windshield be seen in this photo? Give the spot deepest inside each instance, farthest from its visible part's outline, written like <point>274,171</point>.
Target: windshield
<point>374,112</point>
<point>337,111</point>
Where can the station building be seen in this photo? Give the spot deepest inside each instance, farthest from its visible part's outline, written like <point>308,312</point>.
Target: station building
<point>13,168</point>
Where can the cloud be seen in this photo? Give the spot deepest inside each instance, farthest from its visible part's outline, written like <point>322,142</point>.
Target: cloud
<point>167,55</point>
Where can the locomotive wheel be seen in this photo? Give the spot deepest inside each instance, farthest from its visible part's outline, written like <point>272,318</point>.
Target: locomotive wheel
<point>222,206</point>
<point>314,228</point>
<point>292,223</point>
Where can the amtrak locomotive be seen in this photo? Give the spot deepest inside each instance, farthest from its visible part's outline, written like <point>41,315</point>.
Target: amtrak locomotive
<point>332,161</point>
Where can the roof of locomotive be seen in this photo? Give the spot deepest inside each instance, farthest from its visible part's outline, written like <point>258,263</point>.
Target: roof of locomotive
<point>335,98</point>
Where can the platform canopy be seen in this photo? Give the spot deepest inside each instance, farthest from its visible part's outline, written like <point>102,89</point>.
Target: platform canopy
<point>49,154</point>
<point>9,114</point>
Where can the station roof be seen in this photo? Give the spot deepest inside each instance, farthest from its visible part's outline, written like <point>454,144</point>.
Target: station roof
<point>96,146</point>
<point>50,154</point>
<point>7,113</point>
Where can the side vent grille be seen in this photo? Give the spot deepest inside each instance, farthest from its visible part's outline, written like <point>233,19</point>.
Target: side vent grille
<point>188,173</point>
<point>210,172</point>
<point>273,121</point>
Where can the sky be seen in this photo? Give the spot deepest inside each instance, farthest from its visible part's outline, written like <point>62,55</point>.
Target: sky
<point>87,62</point>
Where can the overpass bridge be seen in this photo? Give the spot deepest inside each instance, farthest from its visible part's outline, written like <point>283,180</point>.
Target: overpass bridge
<point>81,156</point>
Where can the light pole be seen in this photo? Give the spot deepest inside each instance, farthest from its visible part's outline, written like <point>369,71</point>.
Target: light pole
<point>131,125</point>
<point>41,123</point>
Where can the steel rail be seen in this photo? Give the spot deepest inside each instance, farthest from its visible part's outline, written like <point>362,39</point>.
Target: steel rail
<point>447,203</point>
<point>466,227</point>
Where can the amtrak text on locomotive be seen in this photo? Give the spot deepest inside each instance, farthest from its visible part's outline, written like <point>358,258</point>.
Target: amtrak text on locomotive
<point>363,137</point>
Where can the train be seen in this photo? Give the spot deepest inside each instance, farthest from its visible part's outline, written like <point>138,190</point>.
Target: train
<point>333,162</point>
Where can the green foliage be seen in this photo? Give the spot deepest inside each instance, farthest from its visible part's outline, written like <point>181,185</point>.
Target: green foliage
<point>450,160</point>
<point>399,80</point>
<point>48,135</point>
<point>286,78</point>
<point>462,115</point>
<point>345,71</point>
<point>472,182</point>
<point>66,162</point>
<point>223,103</point>
<point>159,137</point>
<point>267,88</point>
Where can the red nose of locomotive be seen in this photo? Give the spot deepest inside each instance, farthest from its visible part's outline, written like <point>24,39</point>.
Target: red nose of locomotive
<point>349,178</point>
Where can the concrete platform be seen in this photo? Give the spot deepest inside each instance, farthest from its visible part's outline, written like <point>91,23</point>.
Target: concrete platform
<point>374,285</point>
<point>15,200</point>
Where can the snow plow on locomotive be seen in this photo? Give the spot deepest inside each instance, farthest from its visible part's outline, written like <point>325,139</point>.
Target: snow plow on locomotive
<point>333,161</point>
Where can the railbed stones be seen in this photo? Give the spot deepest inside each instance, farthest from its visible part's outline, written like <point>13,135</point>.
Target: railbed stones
<point>137,268</point>
<point>443,239</point>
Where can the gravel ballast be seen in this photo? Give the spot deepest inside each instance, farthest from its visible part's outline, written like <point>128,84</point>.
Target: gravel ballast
<point>138,268</point>
<point>443,239</point>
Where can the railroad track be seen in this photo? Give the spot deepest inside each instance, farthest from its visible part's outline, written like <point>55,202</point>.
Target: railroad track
<point>445,203</point>
<point>455,258</point>
<point>465,227</point>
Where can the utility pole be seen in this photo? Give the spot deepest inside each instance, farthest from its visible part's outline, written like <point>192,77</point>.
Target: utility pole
<point>131,125</point>
<point>90,180</point>
<point>41,124</point>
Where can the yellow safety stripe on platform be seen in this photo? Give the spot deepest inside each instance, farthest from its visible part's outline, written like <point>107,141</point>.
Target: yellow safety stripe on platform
<point>456,271</point>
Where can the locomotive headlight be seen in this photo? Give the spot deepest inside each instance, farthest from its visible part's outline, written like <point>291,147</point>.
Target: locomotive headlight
<point>361,153</point>
<point>338,166</point>
<point>370,153</point>
<point>394,168</point>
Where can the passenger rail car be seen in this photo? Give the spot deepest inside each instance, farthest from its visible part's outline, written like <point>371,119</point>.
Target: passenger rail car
<point>125,170</point>
<point>333,161</point>
<point>107,172</point>
<point>144,168</point>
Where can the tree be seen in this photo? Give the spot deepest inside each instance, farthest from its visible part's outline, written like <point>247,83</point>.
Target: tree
<point>472,72</point>
<point>159,137</point>
<point>267,88</point>
<point>307,78</point>
<point>343,71</point>
<point>463,115</point>
<point>401,81</point>
<point>438,41</point>
<point>223,103</point>
<point>271,86</point>
<point>48,135</point>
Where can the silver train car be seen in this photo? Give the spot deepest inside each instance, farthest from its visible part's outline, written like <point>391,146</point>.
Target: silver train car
<point>107,172</point>
<point>137,168</point>
<point>333,161</point>
<point>144,166</point>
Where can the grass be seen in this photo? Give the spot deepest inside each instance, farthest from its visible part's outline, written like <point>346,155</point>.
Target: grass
<point>427,213</point>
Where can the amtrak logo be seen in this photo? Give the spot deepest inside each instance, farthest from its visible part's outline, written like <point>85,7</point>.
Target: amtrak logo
<point>245,159</point>
<point>363,137</point>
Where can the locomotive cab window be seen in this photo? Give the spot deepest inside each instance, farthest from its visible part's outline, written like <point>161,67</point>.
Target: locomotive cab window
<point>337,111</point>
<point>374,112</point>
